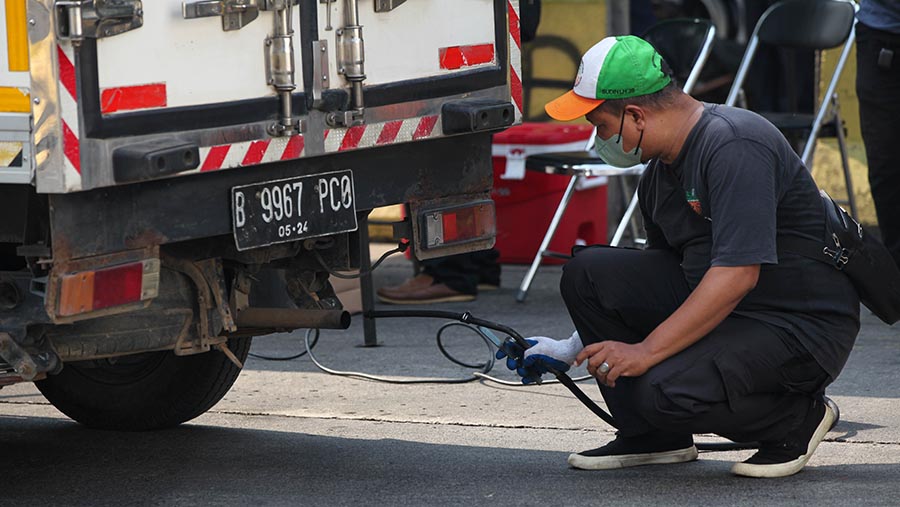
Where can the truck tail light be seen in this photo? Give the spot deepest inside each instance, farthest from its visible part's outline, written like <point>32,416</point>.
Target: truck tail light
<point>459,225</point>
<point>90,291</point>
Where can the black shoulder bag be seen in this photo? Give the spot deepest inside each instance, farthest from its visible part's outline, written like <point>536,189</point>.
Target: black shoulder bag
<point>848,248</point>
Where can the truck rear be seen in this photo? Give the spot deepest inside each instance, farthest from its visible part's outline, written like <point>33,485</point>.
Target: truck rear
<point>178,177</point>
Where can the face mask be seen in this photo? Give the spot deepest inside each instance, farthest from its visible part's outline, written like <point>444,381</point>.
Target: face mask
<point>612,152</point>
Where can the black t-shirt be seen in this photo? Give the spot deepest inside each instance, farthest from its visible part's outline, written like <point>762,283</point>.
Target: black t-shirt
<point>735,187</point>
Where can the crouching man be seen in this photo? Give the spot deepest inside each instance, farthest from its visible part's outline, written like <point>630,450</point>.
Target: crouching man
<point>712,328</point>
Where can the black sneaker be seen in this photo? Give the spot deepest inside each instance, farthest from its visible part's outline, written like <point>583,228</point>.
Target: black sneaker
<point>650,449</point>
<point>781,459</point>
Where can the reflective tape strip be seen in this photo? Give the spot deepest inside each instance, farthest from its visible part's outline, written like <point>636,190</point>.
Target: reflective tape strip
<point>235,155</point>
<point>255,152</point>
<point>16,36</point>
<point>227,156</point>
<point>425,128</point>
<point>249,153</point>
<point>71,147</point>
<point>352,137</point>
<point>457,57</point>
<point>12,100</point>
<point>213,157</point>
<point>67,72</point>
<point>515,58</point>
<point>294,148</point>
<point>389,132</point>
<point>382,134</point>
<point>10,153</point>
<point>68,102</point>
<point>132,98</point>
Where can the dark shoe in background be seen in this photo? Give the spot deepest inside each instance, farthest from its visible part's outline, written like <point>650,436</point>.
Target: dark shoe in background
<point>421,290</point>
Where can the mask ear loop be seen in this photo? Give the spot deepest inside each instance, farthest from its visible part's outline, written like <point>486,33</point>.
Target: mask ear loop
<point>621,125</point>
<point>636,148</point>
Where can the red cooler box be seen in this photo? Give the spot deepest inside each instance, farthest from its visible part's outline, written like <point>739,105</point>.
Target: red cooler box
<point>526,201</point>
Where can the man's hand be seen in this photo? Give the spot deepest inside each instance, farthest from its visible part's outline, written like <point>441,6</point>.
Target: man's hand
<point>544,354</point>
<point>718,293</point>
<point>609,360</point>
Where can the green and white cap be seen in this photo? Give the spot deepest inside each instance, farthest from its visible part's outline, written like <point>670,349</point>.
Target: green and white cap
<point>615,68</point>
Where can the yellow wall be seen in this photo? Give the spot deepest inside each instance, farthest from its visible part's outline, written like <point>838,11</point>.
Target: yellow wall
<point>583,22</point>
<point>827,168</point>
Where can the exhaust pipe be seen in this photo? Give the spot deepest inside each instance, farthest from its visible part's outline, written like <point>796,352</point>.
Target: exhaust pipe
<point>292,318</point>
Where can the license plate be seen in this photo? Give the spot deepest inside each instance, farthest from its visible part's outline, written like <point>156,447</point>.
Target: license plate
<point>295,208</point>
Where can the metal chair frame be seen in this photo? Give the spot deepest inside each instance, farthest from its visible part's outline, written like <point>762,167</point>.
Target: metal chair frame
<point>829,102</point>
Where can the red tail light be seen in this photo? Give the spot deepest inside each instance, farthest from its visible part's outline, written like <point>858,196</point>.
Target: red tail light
<point>89,291</point>
<point>458,225</point>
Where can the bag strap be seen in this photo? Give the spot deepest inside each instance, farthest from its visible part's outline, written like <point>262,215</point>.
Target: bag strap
<point>837,257</point>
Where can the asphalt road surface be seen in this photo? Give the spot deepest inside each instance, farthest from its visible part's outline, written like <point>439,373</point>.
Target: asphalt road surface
<point>288,434</point>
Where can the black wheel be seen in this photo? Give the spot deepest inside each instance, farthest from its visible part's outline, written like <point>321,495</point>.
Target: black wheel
<point>144,391</point>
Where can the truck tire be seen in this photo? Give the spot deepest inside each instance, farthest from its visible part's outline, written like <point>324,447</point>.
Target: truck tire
<point>145,391</point>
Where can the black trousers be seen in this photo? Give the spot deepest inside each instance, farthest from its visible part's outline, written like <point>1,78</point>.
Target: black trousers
<point>878,87</point>
<point>745,380</point>
<point>463,272</point>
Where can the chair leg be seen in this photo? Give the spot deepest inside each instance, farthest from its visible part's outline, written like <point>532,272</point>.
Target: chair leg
<point>545,244</point>
<point>845,162</point>
<point>625,221</point>
<point>626,201</point>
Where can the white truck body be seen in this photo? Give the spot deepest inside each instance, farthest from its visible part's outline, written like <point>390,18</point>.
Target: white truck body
<point>89,95</point>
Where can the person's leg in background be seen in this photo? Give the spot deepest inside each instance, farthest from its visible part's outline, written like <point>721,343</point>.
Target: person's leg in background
<point>641,16</point>
<point>878,88</point>
<point>487,263</point>
<point>780,79</point>
<point>455,278</point>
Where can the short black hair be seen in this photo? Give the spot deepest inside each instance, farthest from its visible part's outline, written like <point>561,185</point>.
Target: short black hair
<point>661,99</point>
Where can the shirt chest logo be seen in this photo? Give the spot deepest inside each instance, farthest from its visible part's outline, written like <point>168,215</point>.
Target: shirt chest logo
<point>694,201</point>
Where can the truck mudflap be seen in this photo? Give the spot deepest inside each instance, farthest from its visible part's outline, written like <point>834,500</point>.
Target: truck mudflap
<point>285,80</point>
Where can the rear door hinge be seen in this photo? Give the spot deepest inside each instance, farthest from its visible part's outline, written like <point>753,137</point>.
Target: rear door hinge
<point>77,20</point>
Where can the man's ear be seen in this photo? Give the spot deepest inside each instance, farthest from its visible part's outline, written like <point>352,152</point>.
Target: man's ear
<point>637,114</point>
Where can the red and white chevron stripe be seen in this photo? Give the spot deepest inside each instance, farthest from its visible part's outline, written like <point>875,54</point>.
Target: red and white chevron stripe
<point>226,156</point>
<point>380,134</point>
<point>229,156</point>
<point>515,58</point>
<point>68,106</point>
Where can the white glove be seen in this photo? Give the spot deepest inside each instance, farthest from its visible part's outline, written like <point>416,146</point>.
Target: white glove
<point>561,350</point>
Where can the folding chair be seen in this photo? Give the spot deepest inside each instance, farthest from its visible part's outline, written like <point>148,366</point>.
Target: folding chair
<point>807,24</point>
<point>685,45</point>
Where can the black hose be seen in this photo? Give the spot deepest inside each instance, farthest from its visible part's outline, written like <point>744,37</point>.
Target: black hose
<point>468,318</point>
<point>563,378</point>
<point>308,350</point>
<point>402,247</point>
<point>483,367</point>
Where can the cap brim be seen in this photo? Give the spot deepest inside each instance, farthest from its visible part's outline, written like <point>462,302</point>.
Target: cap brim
<point>570,106</point>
